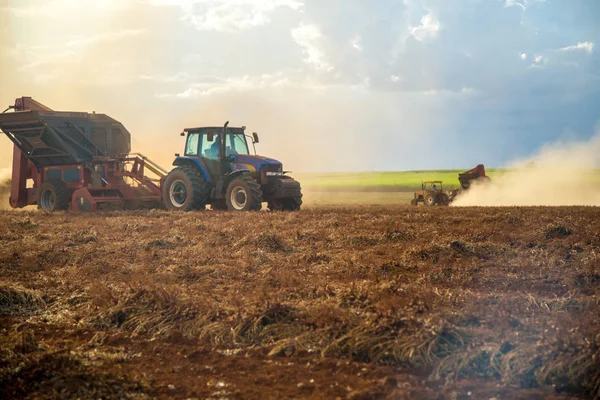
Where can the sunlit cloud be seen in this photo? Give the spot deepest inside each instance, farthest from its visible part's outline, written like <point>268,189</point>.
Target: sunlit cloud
<point>228,15</point>
<point>429,28</point>
<point>104,37</point>
<point>60,8</point>
<point>308,36</point>
<point>514,3</point>
<point>588,47</point>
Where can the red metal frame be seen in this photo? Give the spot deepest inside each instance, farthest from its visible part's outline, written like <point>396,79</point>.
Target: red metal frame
<point>21,171</point>
<point>112,188</point>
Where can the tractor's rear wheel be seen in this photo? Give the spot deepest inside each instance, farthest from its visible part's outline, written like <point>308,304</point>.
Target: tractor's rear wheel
<point>443,199</point>
<point>287,204</point>
<point>185,189</point>
<point>54,195</point>
<point>243,194</point>
<point>429,200</point>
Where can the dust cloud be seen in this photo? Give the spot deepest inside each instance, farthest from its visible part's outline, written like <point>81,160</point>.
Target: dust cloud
<point>560,174</point>
<point>4,188</point>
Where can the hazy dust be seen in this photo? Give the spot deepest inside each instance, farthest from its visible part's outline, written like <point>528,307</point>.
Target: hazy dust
<point>4,194</point>
<point>561,174</point>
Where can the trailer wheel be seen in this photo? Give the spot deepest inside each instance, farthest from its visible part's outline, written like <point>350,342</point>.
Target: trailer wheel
<point>429,200</point>
<point>185,189</point>
<point>287,204</point>
<point>53,195</point>
<point>244,194</point>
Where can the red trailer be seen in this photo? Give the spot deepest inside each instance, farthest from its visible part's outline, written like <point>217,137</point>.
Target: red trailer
<point>75,160</point>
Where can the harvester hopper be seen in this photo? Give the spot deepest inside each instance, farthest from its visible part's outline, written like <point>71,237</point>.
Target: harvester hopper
<point>476,174</point>
<point>50,138</point>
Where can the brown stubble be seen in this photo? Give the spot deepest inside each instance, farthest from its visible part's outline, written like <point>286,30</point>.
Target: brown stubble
<point>495,301</point>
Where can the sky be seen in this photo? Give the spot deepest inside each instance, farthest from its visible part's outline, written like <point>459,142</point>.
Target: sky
<point>329,85</point>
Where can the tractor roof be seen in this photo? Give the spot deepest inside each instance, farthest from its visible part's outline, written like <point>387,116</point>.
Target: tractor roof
<point>211,128</point>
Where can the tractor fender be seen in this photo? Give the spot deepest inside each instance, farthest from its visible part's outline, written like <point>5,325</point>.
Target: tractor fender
<point>193,162</point>
<point>221,184</point>
<point>232,175</point>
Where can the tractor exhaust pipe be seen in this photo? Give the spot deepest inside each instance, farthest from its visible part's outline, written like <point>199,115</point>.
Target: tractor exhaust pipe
<point>223,141</point>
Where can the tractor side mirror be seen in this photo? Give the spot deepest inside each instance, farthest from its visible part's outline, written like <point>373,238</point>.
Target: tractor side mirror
<point>210,137</point>
<point>255,137</point>
<point>182,134</point>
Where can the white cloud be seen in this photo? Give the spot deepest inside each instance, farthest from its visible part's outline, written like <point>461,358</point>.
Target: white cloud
<point>228,15</point>
<point>60,8</point>
<point>214,86</point>
<point>308,36</point>
<point>45,63</point>
<point>523,56</point>
<point>523,5</point>
<point>585,46</point>
<point>105,37</point>
<point>463,92</point>
<point>179,77</point>
<point>429,28</point>
<point>356,43</point>
<point>539,61</point>
<point>514,3</point>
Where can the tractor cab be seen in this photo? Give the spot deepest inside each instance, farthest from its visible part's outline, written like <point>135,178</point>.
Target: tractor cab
<point>432,186</point>
<point>206,146</point>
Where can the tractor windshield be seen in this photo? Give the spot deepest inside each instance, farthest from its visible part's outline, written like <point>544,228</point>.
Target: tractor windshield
<point>236,144</point>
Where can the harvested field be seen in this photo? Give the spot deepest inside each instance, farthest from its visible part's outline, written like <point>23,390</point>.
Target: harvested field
<point>347,302</point>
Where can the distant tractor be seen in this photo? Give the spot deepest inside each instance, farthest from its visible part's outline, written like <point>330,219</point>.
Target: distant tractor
<point>431,194</point>
<point>217,169</point>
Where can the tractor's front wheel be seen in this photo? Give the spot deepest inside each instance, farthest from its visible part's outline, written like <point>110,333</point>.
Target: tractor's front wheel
<point>243,194</point>
<point>287,204</point>
<point>54,195</point>
<point>185,189</point>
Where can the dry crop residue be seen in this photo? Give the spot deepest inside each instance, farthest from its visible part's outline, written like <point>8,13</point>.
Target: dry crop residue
<point>333,302</point>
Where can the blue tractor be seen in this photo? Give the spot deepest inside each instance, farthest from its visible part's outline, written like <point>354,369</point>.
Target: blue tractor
<point>217,169</point>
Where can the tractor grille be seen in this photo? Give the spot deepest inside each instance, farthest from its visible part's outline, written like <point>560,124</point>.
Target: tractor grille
<point>268,168</point>
<point>271,168</point>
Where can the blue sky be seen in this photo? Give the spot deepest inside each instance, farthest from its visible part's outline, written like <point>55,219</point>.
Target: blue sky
<point>330,85</point>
